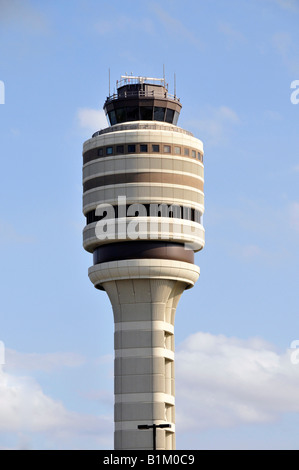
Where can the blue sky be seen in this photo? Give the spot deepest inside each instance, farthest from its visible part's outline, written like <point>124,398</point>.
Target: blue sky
<point>236,385</point>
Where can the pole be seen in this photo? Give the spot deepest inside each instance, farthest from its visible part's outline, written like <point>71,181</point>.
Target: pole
<point>109,81</point>
<point>154,428</point>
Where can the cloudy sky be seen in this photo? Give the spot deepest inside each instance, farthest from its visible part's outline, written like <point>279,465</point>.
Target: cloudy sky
<point>237,368</point>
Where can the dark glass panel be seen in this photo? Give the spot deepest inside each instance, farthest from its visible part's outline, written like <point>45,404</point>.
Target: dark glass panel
<point>159,114</point>
<point>133,113</point>
<point>143,147</point>
<point>146,113</point>
<point>169,115</point>
<point>120,115</point>
<point>120,149</point>
<point>175,118</point>
<point>131,148</point>
<point>156,148</point>
<point>112,117</point>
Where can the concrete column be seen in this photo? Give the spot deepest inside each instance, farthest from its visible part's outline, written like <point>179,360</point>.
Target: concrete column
<point>144,313</point>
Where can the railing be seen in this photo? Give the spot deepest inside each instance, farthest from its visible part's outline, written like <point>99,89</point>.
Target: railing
<point>142,94</point>
<point>132,125</point>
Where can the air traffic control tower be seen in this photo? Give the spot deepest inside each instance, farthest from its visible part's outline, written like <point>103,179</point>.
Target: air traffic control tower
<point>143,201</point>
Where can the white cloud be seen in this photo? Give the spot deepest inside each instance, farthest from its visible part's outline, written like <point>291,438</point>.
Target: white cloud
<point>224,381</point>
<point>92,119</point>
<point>24,406</point>
<point>10,235</point>
<point>21,13</point>
<point>175,27</point>
<point>232,34</point>
<point>216,127</point>
<point>25,410</point>
<point>32,419</point>
<point>250,251</point>
<point>288,4</point>
<point>287,49</point>
<point>37,361</point>
<point>258,230</point>
<point>273,115</point>
<point>123,24</point>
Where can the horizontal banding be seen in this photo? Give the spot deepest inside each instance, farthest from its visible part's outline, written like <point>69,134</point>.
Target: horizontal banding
<point>142,250</point>
<point>179,271</point>
<point>100,152</point>
<point>143,177</point>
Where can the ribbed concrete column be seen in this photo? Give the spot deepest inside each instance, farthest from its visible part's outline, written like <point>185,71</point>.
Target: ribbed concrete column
<point>144,311</point>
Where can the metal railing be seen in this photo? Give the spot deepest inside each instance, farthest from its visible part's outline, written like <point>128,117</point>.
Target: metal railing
<point>142,94</point>
<point>132,125</point>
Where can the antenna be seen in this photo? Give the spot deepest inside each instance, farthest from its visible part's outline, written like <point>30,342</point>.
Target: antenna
<point>164,74</point>
<point>109,81</point>
<point>174,85</point>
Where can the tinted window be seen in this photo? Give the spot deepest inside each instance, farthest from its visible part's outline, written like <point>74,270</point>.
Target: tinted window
<point>131,148</point>
<point>100,152</point>
<point>109,150</point>
<point>166,148</point>
<point>133,114</point>
<point>146,113</point>
<point>186,152</point>
<point>143,147</point>
<point>175,118</point>
<point>159,114</point>
<point>120,149</point>
<point>112,118</point>
<point>169,115</point>
<point>177,150</point>
<point>120,115</point>
<point>156,148</point>
<point>193,153</point>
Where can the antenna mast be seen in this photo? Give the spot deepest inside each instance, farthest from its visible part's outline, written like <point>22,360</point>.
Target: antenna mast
<point>109,81</point>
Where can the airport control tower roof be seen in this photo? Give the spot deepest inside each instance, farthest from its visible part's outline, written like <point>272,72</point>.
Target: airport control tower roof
<point>142,99</point>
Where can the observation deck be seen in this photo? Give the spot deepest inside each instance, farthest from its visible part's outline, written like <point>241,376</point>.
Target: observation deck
<point>142,99</point>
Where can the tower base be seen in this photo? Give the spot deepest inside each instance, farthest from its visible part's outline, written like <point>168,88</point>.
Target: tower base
<point>144,295</point>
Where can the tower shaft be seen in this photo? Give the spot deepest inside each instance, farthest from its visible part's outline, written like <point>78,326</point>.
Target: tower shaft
<point>144,296</point>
